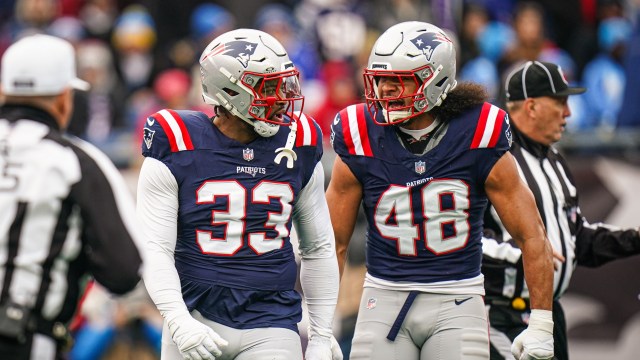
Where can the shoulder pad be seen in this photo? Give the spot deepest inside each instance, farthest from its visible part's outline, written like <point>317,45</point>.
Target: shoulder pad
<point>166,132</point>
<point>350,131</point>
<point>492,122</point>
<point>308,131</point>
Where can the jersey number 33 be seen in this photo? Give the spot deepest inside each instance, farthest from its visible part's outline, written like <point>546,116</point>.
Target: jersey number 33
<point>234,217</point>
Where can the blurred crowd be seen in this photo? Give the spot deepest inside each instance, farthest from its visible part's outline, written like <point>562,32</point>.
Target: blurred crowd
<point>142,56</point>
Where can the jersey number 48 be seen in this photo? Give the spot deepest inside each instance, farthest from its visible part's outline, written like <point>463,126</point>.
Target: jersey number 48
<point>396,203</point>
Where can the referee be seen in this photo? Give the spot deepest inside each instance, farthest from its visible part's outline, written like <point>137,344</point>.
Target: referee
<point>537,94</point>
<point>64,209</point>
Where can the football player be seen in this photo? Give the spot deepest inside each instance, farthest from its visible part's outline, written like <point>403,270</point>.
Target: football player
<point>216,200</point>
<point>422,155</point>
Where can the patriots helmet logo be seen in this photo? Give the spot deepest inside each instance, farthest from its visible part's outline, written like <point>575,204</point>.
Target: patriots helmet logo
<point>239,49</point>
<point>148,137</point>
<point>428,41</point>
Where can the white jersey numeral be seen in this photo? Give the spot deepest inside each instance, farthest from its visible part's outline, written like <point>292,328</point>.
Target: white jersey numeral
<point>234,217</point>
<point>394,217</point>
<point>276,220</point>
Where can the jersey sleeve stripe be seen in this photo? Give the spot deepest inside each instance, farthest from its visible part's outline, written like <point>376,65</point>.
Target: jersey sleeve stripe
<point>497,127</point>
<point>487,132</point>
<point>313,132</point>
<point>307,133</point>
<point>176,131</point>
<point>362,127</point>
<point>352,131</point>
<point>346,132</point>
<point>167,130</point>
<point>183,129</point>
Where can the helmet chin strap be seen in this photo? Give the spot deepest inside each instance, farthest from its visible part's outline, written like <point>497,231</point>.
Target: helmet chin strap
<point>394,115</point>
<point>264,128</point>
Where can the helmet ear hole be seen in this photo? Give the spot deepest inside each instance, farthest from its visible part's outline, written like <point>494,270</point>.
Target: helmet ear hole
<point>230,92</point>
<point>442,81</point>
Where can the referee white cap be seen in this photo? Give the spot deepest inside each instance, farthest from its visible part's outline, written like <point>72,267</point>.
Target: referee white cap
<point>39,65</point>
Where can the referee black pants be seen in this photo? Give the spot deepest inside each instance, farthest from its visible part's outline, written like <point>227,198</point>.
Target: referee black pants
<point>14,350</point>
<point>510,322</point>
<point>11,349</point>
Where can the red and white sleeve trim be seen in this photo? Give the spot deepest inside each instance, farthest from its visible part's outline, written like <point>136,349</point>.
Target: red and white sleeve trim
<point>307,133</point>
<point>489,127</point>
<point>174,127</point>
<point>354,128</point>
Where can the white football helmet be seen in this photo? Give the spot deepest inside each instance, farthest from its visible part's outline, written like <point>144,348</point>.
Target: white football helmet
<point>410,52</point>
<point>249,73</point>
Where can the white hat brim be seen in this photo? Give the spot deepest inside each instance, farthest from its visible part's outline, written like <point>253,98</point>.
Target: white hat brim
<point>80,84</point>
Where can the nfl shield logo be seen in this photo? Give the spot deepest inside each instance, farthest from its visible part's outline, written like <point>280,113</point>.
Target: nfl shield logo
<point>371,303</point>
<point>420,167</point>
<point>247,154</point>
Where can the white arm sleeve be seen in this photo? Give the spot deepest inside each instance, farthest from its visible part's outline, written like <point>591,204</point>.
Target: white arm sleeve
<point>157,211</point>
<point>319,266</point>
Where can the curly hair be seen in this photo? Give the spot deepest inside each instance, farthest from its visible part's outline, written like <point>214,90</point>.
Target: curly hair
<point>464,97</point>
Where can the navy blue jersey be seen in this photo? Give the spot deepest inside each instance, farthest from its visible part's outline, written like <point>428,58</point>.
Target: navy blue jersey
<point>233,253</point>
<point>424,212</point>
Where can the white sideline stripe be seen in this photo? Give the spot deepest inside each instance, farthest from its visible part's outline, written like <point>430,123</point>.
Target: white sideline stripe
<point>175,128</point>
<point>353,129</point>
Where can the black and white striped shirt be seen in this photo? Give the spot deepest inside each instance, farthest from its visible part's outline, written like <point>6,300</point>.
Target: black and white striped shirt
<point>546,173</point>
<point>64,212</point>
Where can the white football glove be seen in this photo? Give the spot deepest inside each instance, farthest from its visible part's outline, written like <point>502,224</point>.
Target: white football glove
<point>320,348</point>
<point>195,340</point>
<point>336,352</point>
<point>536,341</point>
